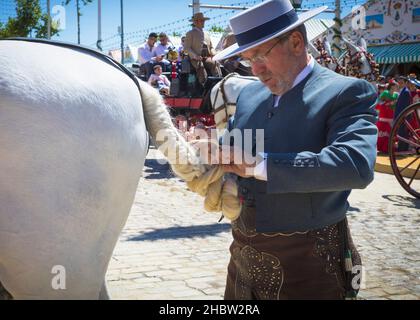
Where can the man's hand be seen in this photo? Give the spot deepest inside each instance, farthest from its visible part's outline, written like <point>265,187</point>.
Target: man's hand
<point>243,170</point>
<point>207,149</point>
<point>232,159</point>
<point>236,161</point>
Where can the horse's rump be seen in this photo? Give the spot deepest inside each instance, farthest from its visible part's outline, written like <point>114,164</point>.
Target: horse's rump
<point>73,143</point>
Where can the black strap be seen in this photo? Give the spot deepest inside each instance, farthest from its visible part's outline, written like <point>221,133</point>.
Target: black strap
<point>346,259</point>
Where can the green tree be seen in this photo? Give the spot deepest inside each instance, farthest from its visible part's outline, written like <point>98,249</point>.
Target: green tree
<point>79,14</point>
<point>42,31</point>
<point>29,18</point>
<point>215,28</point>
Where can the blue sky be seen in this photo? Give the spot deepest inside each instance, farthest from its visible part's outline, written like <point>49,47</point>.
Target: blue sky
<point>140,16</point>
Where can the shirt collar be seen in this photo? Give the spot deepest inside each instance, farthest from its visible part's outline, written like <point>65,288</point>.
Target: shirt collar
<point>302,75</point>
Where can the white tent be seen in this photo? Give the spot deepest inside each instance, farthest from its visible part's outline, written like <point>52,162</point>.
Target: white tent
<point>131,50</point>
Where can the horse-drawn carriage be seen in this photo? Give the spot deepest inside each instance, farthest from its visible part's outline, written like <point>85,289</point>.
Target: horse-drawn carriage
<point>189,100</point>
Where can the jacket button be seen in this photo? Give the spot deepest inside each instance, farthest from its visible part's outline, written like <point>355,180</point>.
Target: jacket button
<point>270,115</point>
<point>244,190</point>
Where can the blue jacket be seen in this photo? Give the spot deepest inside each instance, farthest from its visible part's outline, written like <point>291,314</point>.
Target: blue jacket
<point>320,143</point>
<point>404,100</point>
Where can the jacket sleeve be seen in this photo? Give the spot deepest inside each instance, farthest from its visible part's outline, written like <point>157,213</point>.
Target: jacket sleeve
<point>346,162</point>
<point>402,102</point>
<point>188,45</point>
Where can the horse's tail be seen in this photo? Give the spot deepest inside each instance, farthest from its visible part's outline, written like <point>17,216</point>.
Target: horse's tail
<point>181,156</point>
<point>205,181</point>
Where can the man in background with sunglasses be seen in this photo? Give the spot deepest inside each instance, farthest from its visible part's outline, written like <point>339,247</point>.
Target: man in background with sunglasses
<point>292,240</point>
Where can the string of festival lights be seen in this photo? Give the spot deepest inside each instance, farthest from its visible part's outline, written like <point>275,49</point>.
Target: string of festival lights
<point>180,26</point>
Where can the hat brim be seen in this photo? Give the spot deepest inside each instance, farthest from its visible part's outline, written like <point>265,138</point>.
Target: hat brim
<point>415,82</point>
<point>205,18</point>
<point>235,49</point>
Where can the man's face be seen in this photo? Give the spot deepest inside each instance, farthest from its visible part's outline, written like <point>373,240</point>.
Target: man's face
<point>199,23</point>
<point>401,83</point>
<point>151,41</point>
<point>163,40</point>
<point>278,70</point>
<point>411,86</point>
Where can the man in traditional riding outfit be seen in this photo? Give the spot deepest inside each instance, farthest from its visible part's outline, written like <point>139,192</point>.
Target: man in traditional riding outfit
<point>200,49</point>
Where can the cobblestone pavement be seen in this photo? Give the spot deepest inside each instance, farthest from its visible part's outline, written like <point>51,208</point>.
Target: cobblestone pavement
<point>171,248</point>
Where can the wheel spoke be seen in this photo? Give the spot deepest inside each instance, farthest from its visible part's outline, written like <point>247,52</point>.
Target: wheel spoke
<point>411,129</point>
<point>410,142</point>
<point>404,153</point>
<point>417,115</point>
<point>409,164</point>
<point>414,175</point>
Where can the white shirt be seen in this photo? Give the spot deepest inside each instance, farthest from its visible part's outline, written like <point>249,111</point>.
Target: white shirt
<point>162,78</point>
<point>146,53</point>
<point>180,49</point>
<point>260,171</point>
<point>161,49</point>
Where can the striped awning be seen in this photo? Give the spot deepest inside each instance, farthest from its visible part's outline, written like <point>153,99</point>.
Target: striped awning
<point>396,53</point>
<point>316,27</point>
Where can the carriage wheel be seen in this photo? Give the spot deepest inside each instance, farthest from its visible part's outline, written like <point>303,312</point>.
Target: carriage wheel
<point>404,149</point>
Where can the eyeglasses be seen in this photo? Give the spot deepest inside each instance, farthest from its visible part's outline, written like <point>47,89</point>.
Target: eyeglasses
<point>262,58</point>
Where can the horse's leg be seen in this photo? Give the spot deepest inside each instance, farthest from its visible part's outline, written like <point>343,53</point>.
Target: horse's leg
<point>4,294</point>
<point>104,294</point>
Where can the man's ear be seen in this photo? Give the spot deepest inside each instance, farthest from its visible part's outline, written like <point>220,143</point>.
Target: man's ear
<point>297,44</point>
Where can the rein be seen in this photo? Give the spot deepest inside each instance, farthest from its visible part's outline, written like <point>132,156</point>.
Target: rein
<point>222,90</point>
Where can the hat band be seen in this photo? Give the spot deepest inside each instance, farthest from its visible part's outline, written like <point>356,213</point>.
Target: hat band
<point>267,28</point>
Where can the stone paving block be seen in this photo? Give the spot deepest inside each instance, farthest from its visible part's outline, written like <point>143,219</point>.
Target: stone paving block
<point>140,269</point>
<point>185,293</point>
<point>396,290</point>
<point>204,297</point>
<point>160,273</point>
<point>404,297</point>
<point>145,279</point>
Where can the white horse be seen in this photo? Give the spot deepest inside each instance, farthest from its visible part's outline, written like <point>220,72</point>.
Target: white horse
<point>73,142</point>
<point>223,97</point>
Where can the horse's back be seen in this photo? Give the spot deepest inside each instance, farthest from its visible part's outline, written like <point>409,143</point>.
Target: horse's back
<point>73,143</point>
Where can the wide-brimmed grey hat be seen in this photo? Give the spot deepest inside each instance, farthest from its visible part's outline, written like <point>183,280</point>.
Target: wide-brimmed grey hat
<point>199,16</point>
<point>262,23</point>
<point>415,82</point>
